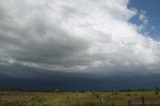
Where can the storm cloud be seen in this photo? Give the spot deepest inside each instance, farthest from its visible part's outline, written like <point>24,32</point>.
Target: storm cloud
<point>91,36</point>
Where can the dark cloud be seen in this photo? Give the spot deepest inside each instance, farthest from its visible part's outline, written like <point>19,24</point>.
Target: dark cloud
<point>34,78</point>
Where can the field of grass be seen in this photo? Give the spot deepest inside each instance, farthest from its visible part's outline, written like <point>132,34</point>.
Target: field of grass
<point>78,99</point>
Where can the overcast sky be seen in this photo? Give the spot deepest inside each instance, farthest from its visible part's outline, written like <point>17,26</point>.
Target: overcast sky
<point>101,37</point>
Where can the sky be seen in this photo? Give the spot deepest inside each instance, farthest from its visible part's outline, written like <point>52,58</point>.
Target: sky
<point>79,44</point>
<point>151,8</point>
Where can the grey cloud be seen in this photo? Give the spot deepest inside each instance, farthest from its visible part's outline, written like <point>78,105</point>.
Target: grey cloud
<point>40,43</point>
<point>75,36</point>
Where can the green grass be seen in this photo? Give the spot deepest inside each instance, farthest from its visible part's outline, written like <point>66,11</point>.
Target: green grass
<point>76,99</point>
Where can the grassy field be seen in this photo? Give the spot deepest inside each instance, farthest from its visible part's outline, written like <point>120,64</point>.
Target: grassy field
<point>79,99</point>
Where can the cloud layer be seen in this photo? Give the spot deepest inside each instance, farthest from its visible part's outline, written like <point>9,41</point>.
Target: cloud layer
<point>76,35</point>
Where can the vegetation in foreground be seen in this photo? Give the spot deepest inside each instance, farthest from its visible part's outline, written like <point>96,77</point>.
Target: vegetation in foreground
<point>144,98</point>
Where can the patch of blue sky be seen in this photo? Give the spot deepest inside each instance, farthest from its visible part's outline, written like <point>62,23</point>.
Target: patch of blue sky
<point>152,9</point>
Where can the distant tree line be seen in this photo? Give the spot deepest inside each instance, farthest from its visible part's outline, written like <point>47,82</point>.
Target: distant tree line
<point>156,90</point>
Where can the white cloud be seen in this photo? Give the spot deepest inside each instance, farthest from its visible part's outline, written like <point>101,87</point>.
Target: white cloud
<point>143,17</point>
<point>75,35</point>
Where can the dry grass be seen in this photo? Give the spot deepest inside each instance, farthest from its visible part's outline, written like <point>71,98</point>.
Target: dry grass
<point>76,99</point>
